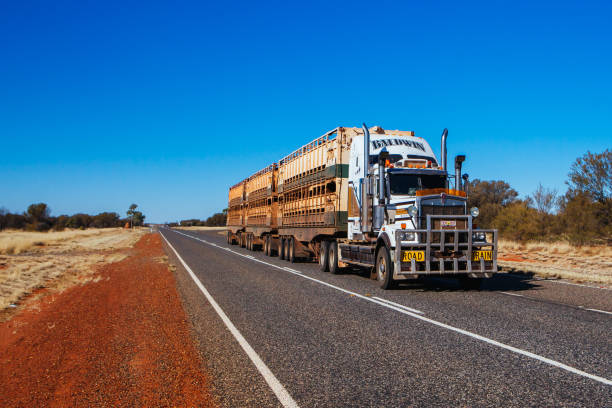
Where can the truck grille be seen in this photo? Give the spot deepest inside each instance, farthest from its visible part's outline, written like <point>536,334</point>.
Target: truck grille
<point>450,210</point>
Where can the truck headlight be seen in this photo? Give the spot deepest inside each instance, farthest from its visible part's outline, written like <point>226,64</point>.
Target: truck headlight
<point>479,236</point>
<point>413,211</point>
<point>474,211</point>
<point>406,236</point>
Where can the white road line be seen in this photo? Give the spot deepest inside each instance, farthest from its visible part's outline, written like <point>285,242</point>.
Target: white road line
<point>599,311</point>
<point>431,321</point>
<point>574,284</point>
<point>398,305</point>
<point>281,393</point>
<point>581,307</point>
<point>512,294</point>
<point>536,278</point>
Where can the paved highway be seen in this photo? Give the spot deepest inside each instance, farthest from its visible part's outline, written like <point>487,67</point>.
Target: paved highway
<point>273,334</point>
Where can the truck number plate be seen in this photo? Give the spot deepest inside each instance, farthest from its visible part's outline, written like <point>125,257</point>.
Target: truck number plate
<point>448,223</point>
<point>478,255</point>
<point>418,256</point>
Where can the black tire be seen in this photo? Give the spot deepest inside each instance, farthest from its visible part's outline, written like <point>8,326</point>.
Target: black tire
<point>281,248</point>
<point>287,242</point>
<point>292,250</point>
<point>384,268</point>
<point>324,256</point>
<point>332,258</point>
<point>470,283</point>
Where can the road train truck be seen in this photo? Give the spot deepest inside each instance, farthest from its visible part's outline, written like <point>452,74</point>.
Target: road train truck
<point>366,197</point>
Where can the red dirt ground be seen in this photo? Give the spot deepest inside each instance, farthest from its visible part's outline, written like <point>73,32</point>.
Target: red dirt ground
<point>120,342</point>
<point>513,258</point>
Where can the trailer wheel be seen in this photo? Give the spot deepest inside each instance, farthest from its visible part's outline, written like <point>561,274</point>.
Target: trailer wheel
<point>324,256</point>
<point>384,268</point>
<point>287,242</point>
<point>281,248</point>
<point>333,258</point>
<point>292,250</point>
<point>268,245</point>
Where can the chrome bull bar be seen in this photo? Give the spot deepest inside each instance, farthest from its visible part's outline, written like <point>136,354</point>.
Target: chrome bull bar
<point>436,253</point>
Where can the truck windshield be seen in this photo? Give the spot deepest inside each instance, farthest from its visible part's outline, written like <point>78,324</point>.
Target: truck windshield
<point>409,184</point>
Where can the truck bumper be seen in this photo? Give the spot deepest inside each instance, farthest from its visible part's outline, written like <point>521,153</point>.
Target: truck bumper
<point>447,251</point>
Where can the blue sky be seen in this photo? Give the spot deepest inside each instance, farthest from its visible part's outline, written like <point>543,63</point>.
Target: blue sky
<point>166,104</point>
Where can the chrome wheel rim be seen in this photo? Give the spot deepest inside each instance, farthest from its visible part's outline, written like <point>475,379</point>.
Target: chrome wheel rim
<point>382,268</point>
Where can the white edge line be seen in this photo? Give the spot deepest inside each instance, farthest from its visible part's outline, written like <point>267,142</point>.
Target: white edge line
<point>512,294</point>
<point>599,311</point>
<point>281,393</point>
<point>538,278</point>
<point>434,322</point>
<point>399,305</point>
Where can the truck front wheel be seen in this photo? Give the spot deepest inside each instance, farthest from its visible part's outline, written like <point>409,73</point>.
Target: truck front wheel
<point>384,268</point>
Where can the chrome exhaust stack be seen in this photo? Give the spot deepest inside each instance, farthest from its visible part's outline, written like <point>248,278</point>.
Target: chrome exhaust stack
<point>365,190</point>
<point>443,149</point>
<point>459,159</point>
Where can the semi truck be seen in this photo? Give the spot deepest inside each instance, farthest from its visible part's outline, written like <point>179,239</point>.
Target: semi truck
<point>367,197</point>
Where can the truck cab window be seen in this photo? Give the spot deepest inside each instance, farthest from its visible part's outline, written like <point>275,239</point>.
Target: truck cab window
<point>409,184</point>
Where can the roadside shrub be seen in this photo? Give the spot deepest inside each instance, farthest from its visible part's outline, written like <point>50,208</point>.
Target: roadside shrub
<point>518,222</point>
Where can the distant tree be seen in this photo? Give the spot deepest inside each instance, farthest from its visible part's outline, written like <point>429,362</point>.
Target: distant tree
<point>586,208</point>
<point>490,197</point>
<point>134,215</point>
<point>106,220</point>
<point>3,220</point>
<point>38,212</point>
<point>15,221</point>
<point>138,218</point>
<point>544,200</point>
<point>517,221</point>
<point>216,220</point>
<point>61,222</point>
<point>38,217</point>
<point>580,219</point>
<point>80,221</point>
<point>592,174</point>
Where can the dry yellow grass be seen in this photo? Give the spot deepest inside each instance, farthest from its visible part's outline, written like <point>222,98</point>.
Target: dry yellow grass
<point>559,259</point>
<point>56,260</point>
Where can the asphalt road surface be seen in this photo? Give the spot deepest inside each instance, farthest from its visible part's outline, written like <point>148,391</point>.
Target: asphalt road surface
<point>273,334</point>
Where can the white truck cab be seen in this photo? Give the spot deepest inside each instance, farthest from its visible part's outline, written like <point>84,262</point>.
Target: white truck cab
<point>409,218</point>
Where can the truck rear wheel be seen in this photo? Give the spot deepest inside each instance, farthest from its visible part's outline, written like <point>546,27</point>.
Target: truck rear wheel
<point>384,268</point>
<point>333,258</point>
<point>281,248</point>
<point>292,250</point>
<point>287,242</point>
<point>324,256</point>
